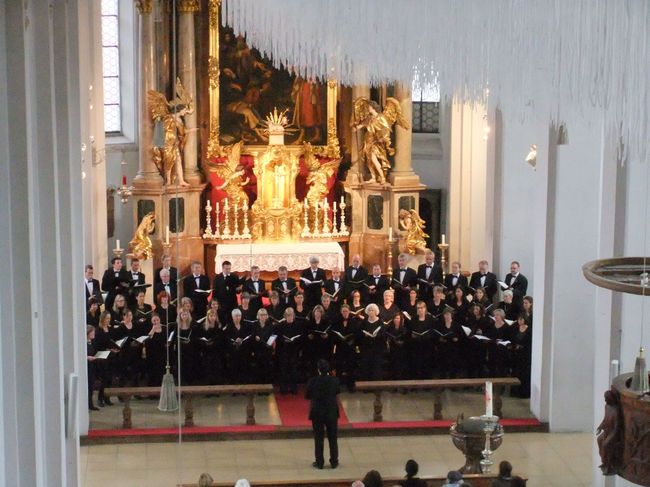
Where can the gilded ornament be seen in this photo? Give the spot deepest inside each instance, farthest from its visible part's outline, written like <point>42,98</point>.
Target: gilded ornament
<point>213,13</point>
<point>144,6</point>
<point>232,174</point>
<point>141,245</point>
<point>377,138</point>
<point>332,150</point>
<point>188,6</point>
<point>169,114</point>
<point>413,225</point>
<point>319,174</point>
<point>213,72</point>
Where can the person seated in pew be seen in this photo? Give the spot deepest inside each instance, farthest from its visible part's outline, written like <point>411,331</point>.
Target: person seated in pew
<point>290,336</point>
<point>285,286</point>
<point>335,288</point>
<point>398,337</point>
<point>375,285</point>
<point>372,344</point>
<point>344,335</point>
<point>421,343</point>
<point>388,309</point>
<point>265,336</point>
<point>355,276</point>
<point>510,308</point>
<point>412,480</point>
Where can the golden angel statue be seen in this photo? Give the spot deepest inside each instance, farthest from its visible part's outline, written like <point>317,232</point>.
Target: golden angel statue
<point>232,174</point>
<point>170,114</point>
<point>141,243</point>
<point>376,143</point>
<point>413,225</point>
<point>318,175</point>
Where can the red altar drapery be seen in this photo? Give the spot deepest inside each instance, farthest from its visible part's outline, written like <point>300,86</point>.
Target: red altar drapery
<point>247,162</point>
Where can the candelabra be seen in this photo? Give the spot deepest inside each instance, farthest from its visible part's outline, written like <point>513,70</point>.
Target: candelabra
<point>208,221</point>
<point>489,425</point>
<point>343,229</point>
<point>216,221</point>
<point>305,228</point>
<point>246,233</point>
<point>326,220</point>
<point>443,257</point>
<point>389,265</point>
<point>235,220</point>
<point>316,232</point>
<point>117,251</point>
<point>335,230</point>
<point>124,191</point>
<point>226,226</point>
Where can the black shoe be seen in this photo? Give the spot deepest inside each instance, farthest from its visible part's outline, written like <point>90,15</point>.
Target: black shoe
<point>334,464</point>
<point>317,465</point>
<point>91,407</point>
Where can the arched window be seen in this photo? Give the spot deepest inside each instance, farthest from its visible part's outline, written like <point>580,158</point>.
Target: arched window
<point>111,66</point>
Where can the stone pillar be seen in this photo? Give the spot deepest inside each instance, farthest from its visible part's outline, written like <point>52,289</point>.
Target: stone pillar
<point>402,173</point>
<point>148,175</point>
<point>187,74</point>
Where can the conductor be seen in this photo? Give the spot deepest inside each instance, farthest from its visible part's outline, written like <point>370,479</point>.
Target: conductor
<point>324,413</point>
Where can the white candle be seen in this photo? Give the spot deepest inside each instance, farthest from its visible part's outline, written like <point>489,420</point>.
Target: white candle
<point>167,235</point>
<point>390,234</point>
<point>341,199</point>
<point>117,245</point>
<point>488,399</point>
<point>444,239</point>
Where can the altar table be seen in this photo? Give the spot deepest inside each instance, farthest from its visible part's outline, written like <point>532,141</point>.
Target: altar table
<point>270,256</point>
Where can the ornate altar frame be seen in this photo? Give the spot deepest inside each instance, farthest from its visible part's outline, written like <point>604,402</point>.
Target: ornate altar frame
<point>213,147</point>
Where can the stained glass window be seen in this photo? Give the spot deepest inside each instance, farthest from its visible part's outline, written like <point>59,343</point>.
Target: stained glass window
<point>111,66</point>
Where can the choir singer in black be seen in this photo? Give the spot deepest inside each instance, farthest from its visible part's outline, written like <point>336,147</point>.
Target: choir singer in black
<point>324,413</point>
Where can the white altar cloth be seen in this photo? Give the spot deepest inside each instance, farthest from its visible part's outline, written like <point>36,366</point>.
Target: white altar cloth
<point>270,256</point>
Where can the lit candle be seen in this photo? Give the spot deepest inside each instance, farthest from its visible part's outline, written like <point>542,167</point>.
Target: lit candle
<point>167,235</point>
<point>444,240</point>
<point>117,246</point>
<point>488,399</point>
<point>390,234</point>
<point>124,180</point>
<point>341,199</point>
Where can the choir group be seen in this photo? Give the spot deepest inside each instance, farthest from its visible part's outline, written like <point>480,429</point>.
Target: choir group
<point>413,324</point>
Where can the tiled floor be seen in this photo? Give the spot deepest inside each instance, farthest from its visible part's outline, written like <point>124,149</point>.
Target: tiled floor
<point>547,459</point>
<point>228,410</point>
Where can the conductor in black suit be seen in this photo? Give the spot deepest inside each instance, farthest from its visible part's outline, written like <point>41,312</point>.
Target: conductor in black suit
<point>225,287</point>
<point>92,287</point>
<point>311,281</point>
<point>324,413</point>
<point>429,272</point>
<point>196,287</point>
<point>485,279</point>
<point>517,282</point>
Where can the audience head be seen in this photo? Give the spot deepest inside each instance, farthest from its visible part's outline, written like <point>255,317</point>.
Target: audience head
<point>411,468</point>
<point>242,483</point>
<point>505,469</point>
<point>323,367</point>
<point>454,476</point>
<point>514,267</point>
<point>373,479</point>
<point>205,480</point>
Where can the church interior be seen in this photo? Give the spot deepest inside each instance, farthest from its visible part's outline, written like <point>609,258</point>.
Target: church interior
<point>266,195</point>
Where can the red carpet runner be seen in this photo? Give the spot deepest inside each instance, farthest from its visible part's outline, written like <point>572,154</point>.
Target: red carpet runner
<point>294,410</point>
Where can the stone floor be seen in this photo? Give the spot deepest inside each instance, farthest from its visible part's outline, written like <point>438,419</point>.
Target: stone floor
<point>228,410</point>
<point>546,459</point>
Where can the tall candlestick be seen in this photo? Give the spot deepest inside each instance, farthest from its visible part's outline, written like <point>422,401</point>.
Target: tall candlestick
<point>226,225</point>
<point>167,234</point>
<point>335,229</point>
<point>444,240</point>
<point>488,399</point>
<point>216,218</point>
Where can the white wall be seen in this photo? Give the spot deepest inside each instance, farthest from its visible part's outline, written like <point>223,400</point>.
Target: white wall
<point>124,223</point>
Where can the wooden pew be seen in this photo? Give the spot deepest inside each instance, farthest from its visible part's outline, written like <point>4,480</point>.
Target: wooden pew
<point>475,480</point>
<point>187,394</point>
<point>437,385</point>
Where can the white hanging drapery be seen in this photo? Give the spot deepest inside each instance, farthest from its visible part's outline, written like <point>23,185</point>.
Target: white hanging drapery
<point>547,57</point>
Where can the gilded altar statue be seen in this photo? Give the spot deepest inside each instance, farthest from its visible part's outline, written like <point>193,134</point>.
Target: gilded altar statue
<point>318,175</point>
<point>413,225</point>
<point>232,174</point>
<point>376,142</point>
<point>170,115</point>
<point>141,245</point>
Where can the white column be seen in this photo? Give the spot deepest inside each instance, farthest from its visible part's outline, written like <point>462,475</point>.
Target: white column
<point>187,73</point>
<point>148,175</point>
<point>402,172</point>
<point>42,127</point>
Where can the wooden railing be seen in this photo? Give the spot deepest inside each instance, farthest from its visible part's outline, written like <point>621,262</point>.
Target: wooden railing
<point>437,385</point>
<point>187,394</point>
<point>475,480</point>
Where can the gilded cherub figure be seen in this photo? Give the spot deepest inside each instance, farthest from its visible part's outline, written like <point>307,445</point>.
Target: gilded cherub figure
<point>413,225</point>
<point>319,173</point>
<point>376,143</point>
<point>141,245</point>
<point>170,114</point>
<point>232,173</point>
